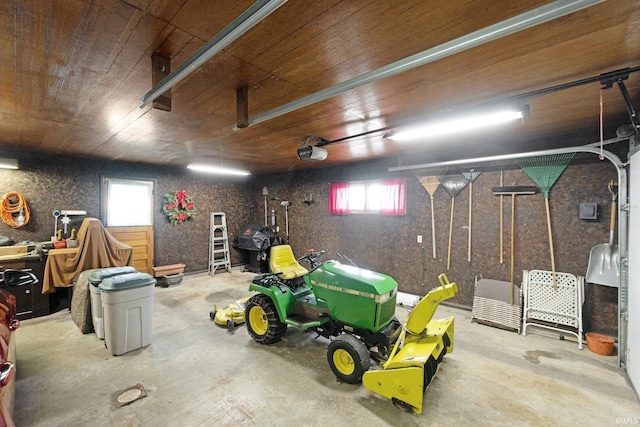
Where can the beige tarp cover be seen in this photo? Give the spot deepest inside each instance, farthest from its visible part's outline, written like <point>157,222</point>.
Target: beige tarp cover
<point>96,249</point>
<point>81,302</point>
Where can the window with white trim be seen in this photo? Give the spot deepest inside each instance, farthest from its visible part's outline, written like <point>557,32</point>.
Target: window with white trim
<point>127,202</point>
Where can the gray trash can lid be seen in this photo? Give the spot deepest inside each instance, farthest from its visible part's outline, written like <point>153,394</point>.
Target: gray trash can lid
<point>99,275</point>
<point>127,281</point>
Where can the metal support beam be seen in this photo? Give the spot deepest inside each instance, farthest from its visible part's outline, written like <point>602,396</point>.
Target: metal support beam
<point>509,26</point>
<point>622,75</point>
<point>591,148</point>
<point>243,23</point>
<point>635,121</point>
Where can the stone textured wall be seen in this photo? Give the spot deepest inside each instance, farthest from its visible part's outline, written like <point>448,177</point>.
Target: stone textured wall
<point>389,243</point>
<point>382,243</point>
<point>55,183</point>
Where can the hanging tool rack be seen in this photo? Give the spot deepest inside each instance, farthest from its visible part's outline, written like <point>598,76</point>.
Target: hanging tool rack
<point>623,222</point>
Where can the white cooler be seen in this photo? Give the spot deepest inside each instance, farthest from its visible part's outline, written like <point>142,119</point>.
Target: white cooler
<point>95,279</point>
<point>127,305</point>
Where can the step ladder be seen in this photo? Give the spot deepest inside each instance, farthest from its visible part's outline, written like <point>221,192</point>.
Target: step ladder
<point>218,244</point>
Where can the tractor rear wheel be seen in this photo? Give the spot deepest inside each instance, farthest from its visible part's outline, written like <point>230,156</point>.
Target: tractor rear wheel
<point>348,358</point>
<point>262,320</point>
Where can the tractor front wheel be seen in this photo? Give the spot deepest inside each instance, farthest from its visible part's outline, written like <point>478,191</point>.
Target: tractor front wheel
<point>262,320</point>
<point>348,358</point>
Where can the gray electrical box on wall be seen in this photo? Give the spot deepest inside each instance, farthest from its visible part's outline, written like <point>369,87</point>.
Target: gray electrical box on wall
<point>588,211</point>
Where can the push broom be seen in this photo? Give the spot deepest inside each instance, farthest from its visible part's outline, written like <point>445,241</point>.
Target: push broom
<point>544,171</point>
<point>430,180</point>
<point>513,192</point>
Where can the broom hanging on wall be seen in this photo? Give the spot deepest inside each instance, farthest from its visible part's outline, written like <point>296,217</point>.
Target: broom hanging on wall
<point>454,184</point>
<point>470,176</point>
<point>430,180</point>
<point>513,192</point>
<point>544,171</point>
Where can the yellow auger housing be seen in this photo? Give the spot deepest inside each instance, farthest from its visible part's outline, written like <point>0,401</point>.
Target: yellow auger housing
<point>417,353</point>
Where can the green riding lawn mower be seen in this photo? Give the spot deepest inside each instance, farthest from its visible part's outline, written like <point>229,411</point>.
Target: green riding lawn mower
<point>355,309</point>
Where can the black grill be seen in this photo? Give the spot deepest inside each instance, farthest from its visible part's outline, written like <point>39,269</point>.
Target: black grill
<point>255,241</point>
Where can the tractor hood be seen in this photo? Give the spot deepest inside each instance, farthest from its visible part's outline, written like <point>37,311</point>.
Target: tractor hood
<point>355,296</point>
<point>365,282</point>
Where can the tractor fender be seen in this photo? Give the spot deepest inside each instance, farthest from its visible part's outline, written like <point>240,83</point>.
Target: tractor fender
<point>283,297</point>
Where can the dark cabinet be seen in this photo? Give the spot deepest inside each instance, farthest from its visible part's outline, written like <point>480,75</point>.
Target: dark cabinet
<point>30,302</point>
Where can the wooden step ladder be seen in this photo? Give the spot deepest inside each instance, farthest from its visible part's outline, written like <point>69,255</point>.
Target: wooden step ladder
<point>218,244</point>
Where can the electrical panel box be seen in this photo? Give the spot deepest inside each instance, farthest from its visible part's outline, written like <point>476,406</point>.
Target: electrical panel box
<point>588,211</point>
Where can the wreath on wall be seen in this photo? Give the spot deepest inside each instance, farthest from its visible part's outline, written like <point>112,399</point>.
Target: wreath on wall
<point>178,207</point>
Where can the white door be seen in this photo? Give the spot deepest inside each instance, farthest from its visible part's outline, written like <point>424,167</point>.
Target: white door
<point>633,329</point>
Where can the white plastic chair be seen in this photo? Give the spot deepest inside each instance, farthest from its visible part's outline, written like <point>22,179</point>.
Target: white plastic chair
<point>557,309</point>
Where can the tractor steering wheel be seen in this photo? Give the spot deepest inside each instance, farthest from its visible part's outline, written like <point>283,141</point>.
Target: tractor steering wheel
<point>312,259</point>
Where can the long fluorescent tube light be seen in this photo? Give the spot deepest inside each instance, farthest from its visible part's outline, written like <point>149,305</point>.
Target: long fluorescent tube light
<point>243,23</point>
<point>8,164</point>
<point>537,16</point>
<point>218,169</point>
<point>457,125</point>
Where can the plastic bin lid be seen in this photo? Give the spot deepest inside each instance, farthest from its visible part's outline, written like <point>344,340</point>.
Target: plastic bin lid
<point>127,281</point>
<point>99,275</point>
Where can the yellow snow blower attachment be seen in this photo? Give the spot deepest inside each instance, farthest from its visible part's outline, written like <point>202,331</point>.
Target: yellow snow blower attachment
<point>419,349</point>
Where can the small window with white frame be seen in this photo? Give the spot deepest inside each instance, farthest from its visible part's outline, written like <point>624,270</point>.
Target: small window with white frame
<point>127,202</point>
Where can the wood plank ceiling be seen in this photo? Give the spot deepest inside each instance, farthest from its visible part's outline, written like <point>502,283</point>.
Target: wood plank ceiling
<point>72,73</point>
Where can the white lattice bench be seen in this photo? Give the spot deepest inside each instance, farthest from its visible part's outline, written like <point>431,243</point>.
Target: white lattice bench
<point>557,309</point>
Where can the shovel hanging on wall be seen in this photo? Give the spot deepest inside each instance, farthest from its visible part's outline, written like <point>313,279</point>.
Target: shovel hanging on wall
<point>604,259</point>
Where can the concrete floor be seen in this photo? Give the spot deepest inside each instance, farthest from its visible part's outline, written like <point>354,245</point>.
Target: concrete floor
<point>195,373</point>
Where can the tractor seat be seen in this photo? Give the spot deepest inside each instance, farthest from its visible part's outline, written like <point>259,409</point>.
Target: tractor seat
<point>281,260</point>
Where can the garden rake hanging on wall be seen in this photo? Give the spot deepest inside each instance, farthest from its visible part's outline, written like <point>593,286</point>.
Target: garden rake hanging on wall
<point>544,171</point>
<point>430,180</point>
<point>454,184</point>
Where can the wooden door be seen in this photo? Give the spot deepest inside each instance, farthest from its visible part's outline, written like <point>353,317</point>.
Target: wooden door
<point>141,240</point>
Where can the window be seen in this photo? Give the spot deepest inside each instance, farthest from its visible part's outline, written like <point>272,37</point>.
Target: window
<point>127,202</point>
<point>381,196</point>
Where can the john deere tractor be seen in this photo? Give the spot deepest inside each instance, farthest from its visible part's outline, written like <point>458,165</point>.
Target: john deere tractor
<point>355,309</point>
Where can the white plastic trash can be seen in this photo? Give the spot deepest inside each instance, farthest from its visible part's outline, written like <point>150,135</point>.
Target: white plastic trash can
<point>127,306</point>
<point>95,279</point>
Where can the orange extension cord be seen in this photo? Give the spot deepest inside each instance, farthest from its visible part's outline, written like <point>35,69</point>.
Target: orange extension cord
<point>8,208</point>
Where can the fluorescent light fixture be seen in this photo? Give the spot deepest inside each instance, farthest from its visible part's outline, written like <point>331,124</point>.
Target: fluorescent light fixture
<point>8,164</point>
<point>456,125</point>
<point>218,169</point>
